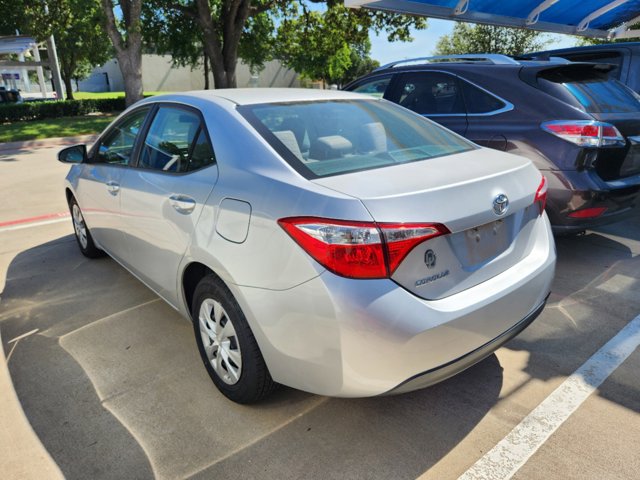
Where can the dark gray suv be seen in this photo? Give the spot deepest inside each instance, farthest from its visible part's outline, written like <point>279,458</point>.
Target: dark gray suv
<point>580,127</point>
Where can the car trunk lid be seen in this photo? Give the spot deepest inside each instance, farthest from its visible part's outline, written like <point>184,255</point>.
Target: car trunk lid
<point>458,191</point>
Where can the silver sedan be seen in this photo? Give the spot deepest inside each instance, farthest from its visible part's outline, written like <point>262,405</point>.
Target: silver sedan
<point>328,241</point>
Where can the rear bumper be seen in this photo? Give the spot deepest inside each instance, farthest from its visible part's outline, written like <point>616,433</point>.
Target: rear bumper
<point>570,191</point>
<point>357,338</point>
<point>456,366</point>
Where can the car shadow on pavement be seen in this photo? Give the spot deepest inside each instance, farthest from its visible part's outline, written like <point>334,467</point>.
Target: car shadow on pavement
<point>113,386</point>
<point>596,292</point>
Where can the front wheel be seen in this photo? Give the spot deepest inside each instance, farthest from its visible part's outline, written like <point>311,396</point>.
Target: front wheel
<point>83,235</point>
<point>227,345</point>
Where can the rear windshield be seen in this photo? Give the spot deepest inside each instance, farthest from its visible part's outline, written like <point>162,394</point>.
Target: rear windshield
<point>324,138</point>
<point>589,89</point>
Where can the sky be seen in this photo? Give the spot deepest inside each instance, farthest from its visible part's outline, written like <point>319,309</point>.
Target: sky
<point>425,41</point>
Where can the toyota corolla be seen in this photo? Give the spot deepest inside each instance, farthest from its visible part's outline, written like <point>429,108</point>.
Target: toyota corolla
<point>328,241</point>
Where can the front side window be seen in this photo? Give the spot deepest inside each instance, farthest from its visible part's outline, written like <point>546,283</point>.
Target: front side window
<point>117,145</point>
<point>431,93</point>
<point>341,136</point>
<point>176,142</point>
<point>376,88</point>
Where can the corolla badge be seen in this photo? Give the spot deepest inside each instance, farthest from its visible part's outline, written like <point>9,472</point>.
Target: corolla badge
<point>501,204</point>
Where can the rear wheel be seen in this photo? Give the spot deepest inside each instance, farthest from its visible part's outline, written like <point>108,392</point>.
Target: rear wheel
<point>83,235</point>
<point>227,345</point>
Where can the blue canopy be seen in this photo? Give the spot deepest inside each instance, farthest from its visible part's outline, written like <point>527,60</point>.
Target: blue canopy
<point>590,18</point>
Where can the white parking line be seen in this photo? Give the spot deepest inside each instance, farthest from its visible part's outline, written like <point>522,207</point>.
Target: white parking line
<point>513,451</point>
<point>33,224</point>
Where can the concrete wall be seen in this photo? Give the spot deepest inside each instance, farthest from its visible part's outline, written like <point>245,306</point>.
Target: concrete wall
<point>159,75</point>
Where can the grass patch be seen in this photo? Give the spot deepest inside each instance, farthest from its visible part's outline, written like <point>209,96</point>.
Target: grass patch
<point>54,127</point>
<point>90,95</point>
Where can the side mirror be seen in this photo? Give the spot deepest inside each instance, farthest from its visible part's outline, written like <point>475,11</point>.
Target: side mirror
<point>73,154</point>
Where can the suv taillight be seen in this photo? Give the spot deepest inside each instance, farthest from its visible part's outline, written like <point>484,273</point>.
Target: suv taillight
<point>359,249</point>
<point>585,133</point>
<point>541,195</point>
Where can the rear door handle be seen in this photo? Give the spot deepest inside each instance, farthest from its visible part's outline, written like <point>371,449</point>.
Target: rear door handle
<point>182,203</point>
<point>113,187</point>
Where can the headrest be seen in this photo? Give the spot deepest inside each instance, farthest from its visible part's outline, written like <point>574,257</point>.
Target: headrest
<point>288,138</point>
<point>332,146</point>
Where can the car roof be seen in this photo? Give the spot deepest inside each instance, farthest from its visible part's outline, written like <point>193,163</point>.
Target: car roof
<point>252,96</point>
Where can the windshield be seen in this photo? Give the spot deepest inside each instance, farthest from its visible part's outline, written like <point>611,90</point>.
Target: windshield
<point>590,90</point>
<point>326,138</point>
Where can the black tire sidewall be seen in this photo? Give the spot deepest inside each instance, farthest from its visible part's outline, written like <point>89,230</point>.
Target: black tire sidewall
<point>91,251</point>
<point>250,386</point>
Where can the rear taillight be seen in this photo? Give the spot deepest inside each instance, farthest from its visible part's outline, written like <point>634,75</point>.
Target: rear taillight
<point>541,195</point>
<point>592,212</point>
<point>358,249</point>
<point>585,133</point>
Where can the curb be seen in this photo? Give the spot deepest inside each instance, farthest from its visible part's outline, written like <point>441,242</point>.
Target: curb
<point>22,455</point>
<point>46,142</point>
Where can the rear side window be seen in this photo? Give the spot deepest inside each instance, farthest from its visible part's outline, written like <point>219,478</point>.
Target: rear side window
<point>176,142</point>
<point>589,89</point>
<point>431,93</point>
<point>333,137</point>
<point>478,101</point>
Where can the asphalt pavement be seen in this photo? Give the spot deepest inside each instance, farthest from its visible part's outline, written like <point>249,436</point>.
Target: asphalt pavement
<point>110,380</point>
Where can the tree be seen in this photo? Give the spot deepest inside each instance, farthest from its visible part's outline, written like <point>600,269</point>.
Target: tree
<point>125,33</point>
<point>233,29</point>
<point>81,42</point>
<point>324,45</point>
<point>172,29</point>
<point>470,38</point>
<point>361,64</point>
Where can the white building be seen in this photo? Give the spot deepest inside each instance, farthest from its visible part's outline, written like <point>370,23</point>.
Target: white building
<point>158,74</point>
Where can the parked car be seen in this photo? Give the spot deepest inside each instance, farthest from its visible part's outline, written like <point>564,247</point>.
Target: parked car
<point>579,127</point>
<point>10,96</point>
<point>369,252</point>
<point>624,56</point>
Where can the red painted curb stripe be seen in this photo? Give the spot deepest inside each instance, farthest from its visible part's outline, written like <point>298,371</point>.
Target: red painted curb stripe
<point>34,219</point>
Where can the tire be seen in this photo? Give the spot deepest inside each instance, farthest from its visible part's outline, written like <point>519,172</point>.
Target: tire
<point>227,346</point>
<point>82,233</point>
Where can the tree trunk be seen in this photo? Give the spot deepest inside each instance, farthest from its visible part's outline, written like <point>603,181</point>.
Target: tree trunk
<point>130,63</point>
<point>129,51</point>
<point>68,87</point>
<point>206,71</point>
<point>223,52</point>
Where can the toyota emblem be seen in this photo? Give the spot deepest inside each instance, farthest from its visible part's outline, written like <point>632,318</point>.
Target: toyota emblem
<point>500,204</point>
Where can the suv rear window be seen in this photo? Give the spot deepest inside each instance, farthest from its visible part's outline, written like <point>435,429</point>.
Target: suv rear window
<point>334,137</point>
<point>589,89</point>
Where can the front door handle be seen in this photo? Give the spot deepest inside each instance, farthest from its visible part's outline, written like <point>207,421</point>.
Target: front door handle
<point>113,187</point>
<point>182,203</point>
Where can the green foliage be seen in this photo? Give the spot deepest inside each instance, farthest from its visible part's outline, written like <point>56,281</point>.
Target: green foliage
<point>470,38</point>
<point>170,31</point>
<point>333,44</point>
<point>69,108</point>
<point>257,42</point>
